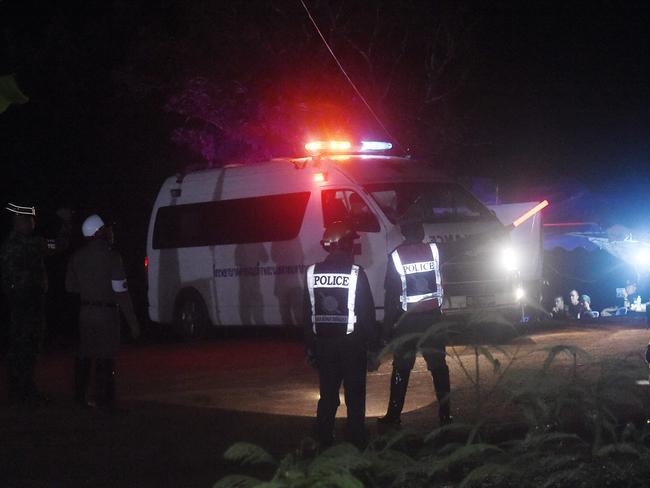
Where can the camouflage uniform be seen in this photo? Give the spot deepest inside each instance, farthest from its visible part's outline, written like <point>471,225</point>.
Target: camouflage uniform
<point>24,283</point>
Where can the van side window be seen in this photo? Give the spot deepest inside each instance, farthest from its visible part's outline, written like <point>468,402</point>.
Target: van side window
<point>348,206</point>
<point>238,221</point>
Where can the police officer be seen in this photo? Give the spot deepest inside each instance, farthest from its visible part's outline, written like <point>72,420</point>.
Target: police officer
<point>413,302</point>
<point>96,273</point>
<point>24,283</point>
<point>340,329</point>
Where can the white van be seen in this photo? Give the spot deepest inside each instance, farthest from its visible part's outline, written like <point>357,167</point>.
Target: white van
<point>229,246</point>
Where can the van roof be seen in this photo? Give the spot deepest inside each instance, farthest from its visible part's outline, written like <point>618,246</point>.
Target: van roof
<point>379,169</point>
<point>362,169</point>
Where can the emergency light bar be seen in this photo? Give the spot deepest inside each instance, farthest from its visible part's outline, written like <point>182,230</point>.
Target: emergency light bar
<point>346,146</point>
<point>375,146</point>
<point>530,213</point>
<point>328,146</point>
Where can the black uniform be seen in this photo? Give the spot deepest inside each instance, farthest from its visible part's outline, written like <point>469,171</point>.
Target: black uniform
<point>339,338</point>
<point>417,288</point>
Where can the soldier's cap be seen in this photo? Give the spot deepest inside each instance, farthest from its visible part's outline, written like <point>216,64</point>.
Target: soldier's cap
<point>20,210</point>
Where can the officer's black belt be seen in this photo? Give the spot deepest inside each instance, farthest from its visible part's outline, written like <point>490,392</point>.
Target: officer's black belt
<point>331,330</point>
<point>99,304</point>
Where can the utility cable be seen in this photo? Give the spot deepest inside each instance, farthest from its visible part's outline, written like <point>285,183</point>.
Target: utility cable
<point>354,87</point>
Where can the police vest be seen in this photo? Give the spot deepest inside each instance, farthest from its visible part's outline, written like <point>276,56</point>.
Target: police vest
<point>418,266</point>
<point>332,297</point>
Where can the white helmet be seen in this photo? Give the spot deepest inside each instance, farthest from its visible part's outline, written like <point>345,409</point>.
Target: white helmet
<point>91,225</point>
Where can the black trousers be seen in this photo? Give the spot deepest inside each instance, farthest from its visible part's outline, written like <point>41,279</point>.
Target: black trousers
<point>104,380</point>
<point>25,338</point>
<point>434,353</point>
<point>341,360</point>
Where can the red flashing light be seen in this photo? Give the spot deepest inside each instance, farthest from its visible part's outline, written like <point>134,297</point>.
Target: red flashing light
<point>320,177</point>
<point>146,262</point>
<point>332,146</point>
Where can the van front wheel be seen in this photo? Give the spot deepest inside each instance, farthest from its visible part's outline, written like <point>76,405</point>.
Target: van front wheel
<point>191,317</point>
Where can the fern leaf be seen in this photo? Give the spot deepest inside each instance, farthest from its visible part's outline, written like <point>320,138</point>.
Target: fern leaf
<point>465,455</point>
<point>406,341</point>
<point>338,480</point>
<point>458,428</point>
<point>435,331</point>
<point>449,448</point>
<point>397,437</point>
<point>566,477</point>
<point>388,464</point>
<point>502,350</point>
<point>246,453</point>
<point>472,450</point>
<point>552,463</point>
<point>338,460</point>
<point>623,448</point>
<point>485,352</point>
<point>340,450</point>
<point>237,481</point>
<point>493,473</point>
<point>571,351</point>
<point>540,440</point>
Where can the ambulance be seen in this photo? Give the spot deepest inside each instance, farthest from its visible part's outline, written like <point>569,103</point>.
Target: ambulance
<point>230,246</point>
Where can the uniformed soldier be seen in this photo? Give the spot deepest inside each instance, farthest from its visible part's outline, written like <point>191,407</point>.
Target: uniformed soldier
<point>24,283</point>
<point>413,303</point>
<point>340,329</point>
<point>96,273</point>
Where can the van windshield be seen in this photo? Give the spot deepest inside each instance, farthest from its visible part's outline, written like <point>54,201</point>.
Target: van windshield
<point>440,201</point>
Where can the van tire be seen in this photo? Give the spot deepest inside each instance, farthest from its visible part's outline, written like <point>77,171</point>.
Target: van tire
<point>191,320</point>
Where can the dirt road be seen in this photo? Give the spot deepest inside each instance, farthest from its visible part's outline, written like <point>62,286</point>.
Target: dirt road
<point>187,403</point>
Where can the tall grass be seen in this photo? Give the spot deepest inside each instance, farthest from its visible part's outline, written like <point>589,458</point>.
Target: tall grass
<point>580,424</point>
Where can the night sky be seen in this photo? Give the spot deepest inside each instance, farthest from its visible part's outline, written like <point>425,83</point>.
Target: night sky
<point>123,94</point>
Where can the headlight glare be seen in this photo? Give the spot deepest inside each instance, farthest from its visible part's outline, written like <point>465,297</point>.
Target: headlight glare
<point>509,259</point>
<point>519,293</point>
<point>642,258</point>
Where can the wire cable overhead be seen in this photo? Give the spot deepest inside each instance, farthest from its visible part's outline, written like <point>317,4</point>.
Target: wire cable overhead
<point>347,77</point>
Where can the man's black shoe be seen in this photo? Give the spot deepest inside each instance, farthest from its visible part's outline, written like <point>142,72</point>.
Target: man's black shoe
<point>389,420</point>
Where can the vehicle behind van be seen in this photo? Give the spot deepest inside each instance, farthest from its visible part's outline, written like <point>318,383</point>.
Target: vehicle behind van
<point>229,246</point>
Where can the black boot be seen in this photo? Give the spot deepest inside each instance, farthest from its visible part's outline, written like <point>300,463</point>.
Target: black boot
<point>399,382</point>
<point>442,386</point>
<point>82,368</point>
<point>106,384</point>
<point>14,387</point>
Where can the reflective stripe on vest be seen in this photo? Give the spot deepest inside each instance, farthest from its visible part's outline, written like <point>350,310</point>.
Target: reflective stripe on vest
<point>341,281</point>
<point>421,267</point>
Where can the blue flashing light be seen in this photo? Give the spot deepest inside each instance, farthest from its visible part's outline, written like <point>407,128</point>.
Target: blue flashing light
<point>375,146</point>
<point>642,258</point>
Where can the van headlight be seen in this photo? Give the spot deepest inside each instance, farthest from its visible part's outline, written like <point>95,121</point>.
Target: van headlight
<point>519,293</point>
<point>509,259</point>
